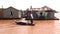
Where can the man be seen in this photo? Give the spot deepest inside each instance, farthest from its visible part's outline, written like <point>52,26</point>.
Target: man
<point>31,15</point>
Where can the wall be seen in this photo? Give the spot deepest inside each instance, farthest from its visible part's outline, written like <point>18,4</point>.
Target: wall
<point>7,13</point>
<point>1,14</point>
<point>50,15</point>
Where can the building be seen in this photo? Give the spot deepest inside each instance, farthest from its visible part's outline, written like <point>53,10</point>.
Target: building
<point>9,12</point>
<point>1,12</point>
<point>42,13</point>
<point>38,13</point>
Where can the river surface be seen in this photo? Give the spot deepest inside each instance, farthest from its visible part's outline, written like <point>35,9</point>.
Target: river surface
<point>41,27</point>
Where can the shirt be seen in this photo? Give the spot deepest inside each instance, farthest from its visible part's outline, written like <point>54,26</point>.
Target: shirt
<point>31,16</point>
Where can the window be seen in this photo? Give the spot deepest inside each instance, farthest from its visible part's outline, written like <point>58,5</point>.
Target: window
<point>43,13</point>
<point>11,13</point>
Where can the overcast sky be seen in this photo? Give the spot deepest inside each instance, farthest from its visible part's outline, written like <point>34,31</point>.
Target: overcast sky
<point>23,4</point>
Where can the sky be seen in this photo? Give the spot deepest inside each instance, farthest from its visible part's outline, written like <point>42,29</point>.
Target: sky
<point>24,4</point>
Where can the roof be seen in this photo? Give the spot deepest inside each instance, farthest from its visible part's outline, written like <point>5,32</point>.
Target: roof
<point>13,8</point>
<point>44,8</point>
<point>2,9</point>
<point>51,11</point>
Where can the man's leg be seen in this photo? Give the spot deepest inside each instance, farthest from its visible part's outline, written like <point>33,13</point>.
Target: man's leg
<point>31,21</point>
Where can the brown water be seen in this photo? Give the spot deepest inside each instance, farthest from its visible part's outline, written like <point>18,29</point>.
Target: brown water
<point>41,27</point>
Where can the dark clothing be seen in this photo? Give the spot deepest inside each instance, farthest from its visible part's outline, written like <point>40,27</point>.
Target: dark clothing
<point>31,21</point>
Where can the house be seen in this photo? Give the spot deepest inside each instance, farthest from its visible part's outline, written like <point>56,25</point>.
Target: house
<point>1,12</point>
<point>10,12</point>
<point>42,13</point>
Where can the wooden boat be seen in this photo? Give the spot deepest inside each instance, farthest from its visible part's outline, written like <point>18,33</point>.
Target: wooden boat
<point>23,21</point>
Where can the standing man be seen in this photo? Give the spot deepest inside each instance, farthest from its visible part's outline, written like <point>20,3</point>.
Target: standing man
<point>31,15</point>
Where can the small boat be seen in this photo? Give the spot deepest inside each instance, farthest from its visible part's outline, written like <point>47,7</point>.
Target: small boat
<point>23,21</point>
